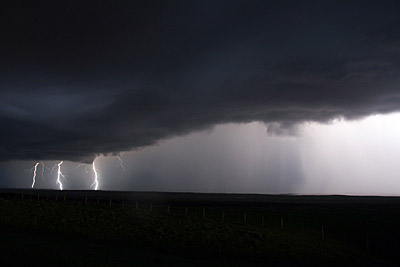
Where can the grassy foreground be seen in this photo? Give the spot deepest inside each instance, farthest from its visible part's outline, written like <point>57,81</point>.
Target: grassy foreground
<point>48,232</point>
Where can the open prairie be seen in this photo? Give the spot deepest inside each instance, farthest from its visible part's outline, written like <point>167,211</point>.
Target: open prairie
<point>141,228</point>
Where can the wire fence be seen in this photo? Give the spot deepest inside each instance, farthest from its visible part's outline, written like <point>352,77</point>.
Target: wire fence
<point>255,218</point>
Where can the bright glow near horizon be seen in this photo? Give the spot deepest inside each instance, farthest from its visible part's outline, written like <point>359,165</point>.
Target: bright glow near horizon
<point>353,157</point>
<point>344,157</point>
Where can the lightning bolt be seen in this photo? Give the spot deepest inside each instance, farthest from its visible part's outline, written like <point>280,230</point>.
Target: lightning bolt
<point>121,164</point>
<point>59,174</point>
<point>96,178</point>
<point>34,174</point>
<point>96,174</point>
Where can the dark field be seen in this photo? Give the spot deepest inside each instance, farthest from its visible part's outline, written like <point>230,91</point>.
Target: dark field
<point>45,227</point>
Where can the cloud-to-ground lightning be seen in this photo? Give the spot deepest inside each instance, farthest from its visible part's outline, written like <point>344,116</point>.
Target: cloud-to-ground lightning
<point>59,174</point>
<point>34,170</point>
<point>121,164</point>
<point>96,174</point>
<point>96,177</point>
<point>34,174</point>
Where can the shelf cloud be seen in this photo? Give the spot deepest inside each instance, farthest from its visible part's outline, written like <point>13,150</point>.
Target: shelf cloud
<point>83,79</point>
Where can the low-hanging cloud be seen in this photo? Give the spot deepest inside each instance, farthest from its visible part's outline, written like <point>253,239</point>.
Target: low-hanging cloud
<point>124,77</point>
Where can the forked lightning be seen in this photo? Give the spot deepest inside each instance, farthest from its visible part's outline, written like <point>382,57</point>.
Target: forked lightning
<point>96,178</point>
<point>59,174</point>
<point>34,174</point>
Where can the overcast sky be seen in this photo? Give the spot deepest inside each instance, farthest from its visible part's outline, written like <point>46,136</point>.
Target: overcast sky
<point>81,79</point>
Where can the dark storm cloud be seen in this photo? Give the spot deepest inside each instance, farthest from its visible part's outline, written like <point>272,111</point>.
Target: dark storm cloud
<point>79,79</point>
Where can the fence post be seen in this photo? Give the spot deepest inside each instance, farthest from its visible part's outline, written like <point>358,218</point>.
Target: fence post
<point>168,209</point>
<point>85,200</point>
<point>281,222</point>
<point>64,199</point>
<point>186,211</point>
<point>22,196</point>
<point>38,196</point>
<point>244,218</point>
<point>110,202</point>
